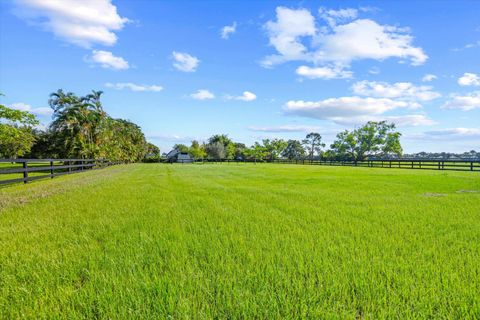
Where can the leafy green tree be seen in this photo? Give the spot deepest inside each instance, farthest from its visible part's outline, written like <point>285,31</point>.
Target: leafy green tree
<point>181,147</point>
<point>293,150</point>
<point>82,129</point>
<point>313,143</point>
<point>152,150</point>
<point>228,146</point>
<point>78,123</point>
<point>259,151</point>
<point>197,150</point>
<point>372,139</point>
<point>16,132</point>
<point>274,147</point>
<point>216,150</point>
<point>239,150</point>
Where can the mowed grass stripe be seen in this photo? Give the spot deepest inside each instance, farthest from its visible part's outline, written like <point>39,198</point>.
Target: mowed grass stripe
<point>242,241</point>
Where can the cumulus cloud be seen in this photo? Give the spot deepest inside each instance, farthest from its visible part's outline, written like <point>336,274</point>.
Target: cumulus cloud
<point>82,23</point>
<point>334,108</point>
<point>357,110</point>
<point>227,30</point>
<point>202,94</point>
<point>332,17</point>
<point>246,96</point>
<point>107,60</point>
<point>466,103</point>
<point>323,72</point>
<point>469,79</point>
<point>285,128</point>
<point>133,86</point>
<point>185,62</point>
<point>409,120</point>
<point>366,39</point>
<point>429,77</point>
<point>453,133</point>
<point>401,90</point>
<point>285,33</point>
<point>344,39</point>
<point>42,111</point>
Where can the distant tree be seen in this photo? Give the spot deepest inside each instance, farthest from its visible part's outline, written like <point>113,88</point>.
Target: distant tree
<point>257,152</point>
<point>222,138</point>
<point>45,145</point>
<point>228,145</point>
<point>372,139</point>
<point>197,150</point>
<point>293,150</point>
<point>274,147</point>
<point>344,147</point>
<point>313,143</point>
<point>216,150</point>
<point>239,150</point>
<point>16,132</point>
<point>181,147</point>
<point>82,129</point>
<point>152,150</point>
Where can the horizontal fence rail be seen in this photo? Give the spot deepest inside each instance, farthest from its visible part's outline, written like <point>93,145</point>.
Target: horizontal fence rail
<point>425,164</point>
<point>25,170</point>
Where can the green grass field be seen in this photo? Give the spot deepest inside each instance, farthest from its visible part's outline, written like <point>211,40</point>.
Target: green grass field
<point>242,241</point>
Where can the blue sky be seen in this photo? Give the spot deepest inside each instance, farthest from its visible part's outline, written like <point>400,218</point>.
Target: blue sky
<point>187,70</point>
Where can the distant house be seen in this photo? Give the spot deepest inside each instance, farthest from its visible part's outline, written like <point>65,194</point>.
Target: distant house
<point>177,156</point>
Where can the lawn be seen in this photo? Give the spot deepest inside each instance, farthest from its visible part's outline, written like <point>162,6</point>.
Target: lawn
<point>242,241</point>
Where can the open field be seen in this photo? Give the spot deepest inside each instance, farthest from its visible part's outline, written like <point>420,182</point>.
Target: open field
<point>242,241</point>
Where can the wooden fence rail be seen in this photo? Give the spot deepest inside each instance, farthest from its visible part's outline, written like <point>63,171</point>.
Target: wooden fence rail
<point>45,168</point>
<point>424,164</point>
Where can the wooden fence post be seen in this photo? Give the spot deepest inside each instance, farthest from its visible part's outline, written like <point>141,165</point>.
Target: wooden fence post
<point>51,169</point>
<point>25,172</point>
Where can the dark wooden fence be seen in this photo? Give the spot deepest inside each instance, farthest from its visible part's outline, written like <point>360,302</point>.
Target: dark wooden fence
<point>431,164</point>
<point>26,170</point>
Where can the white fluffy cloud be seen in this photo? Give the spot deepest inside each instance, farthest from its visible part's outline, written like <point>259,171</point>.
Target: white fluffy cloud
<point>345,107</point>
<point>343,40</point>
<point>429,77</point>
<point>42,111</point>
<point>323,72</point>
<point>82,23</point>
<point>356,110</point>
<point>246,96</point>
<point>401,90</point>
<point>185,62</point>
<point>202,94</point>
<point>466,103</point>
<point>134,87</point>
<point>227,30</point>
<point>366,39</point>
<point>469,79</point>
<point>285,34</point>
<point>108,61</point>
<point>285,128</point>
<point>453,133</point>
<point>335,16</point>
<point>409,120</point>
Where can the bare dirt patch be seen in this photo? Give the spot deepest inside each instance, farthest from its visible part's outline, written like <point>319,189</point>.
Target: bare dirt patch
<point>468,191</point>
<point>432,194</point>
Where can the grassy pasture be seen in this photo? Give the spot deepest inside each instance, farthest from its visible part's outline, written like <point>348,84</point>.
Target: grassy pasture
<point>242,241</point>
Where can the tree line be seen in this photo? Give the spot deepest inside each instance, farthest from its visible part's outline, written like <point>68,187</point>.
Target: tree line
<point>80,128</point>
<point>374,139</point>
